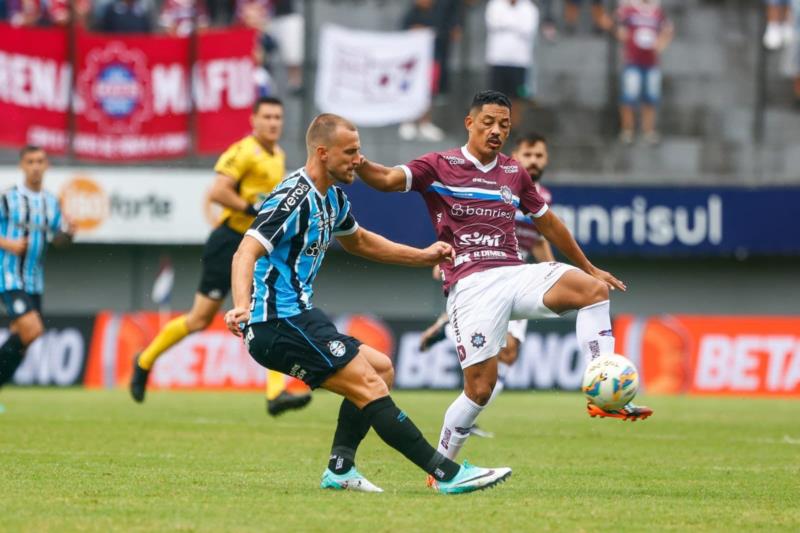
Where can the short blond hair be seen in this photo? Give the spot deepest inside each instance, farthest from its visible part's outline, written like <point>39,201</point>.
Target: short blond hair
<point>322,129</point>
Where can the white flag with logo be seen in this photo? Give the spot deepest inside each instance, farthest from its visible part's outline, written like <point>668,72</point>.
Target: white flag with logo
<point>374,78</point>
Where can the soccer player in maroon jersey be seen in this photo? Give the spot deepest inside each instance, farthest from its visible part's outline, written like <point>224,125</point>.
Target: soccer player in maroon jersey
<point>530,150</point>
<point>472,194</point>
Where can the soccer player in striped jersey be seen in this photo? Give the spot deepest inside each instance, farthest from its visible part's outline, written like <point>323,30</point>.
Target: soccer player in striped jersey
<point>273,275</point>
<point>30,218</point>
<point>246,173</point>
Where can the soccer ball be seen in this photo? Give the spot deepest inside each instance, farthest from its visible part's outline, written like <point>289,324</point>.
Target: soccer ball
<point>610,381</point>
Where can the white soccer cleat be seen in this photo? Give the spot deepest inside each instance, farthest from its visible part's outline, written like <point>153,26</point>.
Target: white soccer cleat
<point>350,480</point>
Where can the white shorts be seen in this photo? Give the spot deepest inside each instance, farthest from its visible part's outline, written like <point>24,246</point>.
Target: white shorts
<point>481,305</point>
<point>517,329</point>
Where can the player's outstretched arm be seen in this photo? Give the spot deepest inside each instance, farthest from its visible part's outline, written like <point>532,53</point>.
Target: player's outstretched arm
<point>386,179</point>
<point>377,248</point>
<point>244,261</point>
<point>557,233</point>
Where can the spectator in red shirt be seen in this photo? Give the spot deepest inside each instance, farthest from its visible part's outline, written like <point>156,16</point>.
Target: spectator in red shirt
<point>26,13</point>
<point>59,12</point>
<point>178,16</point>
<point>645,32</point>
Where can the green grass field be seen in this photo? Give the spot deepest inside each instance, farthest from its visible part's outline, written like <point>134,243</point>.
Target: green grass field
<point>80,460</point>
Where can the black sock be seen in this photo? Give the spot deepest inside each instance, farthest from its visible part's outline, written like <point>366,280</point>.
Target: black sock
<point>350,431</point>
<point>398,431</point>
<point>11,354</point>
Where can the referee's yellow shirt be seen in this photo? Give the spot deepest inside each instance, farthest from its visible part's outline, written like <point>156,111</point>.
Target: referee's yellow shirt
<point>256,172</point>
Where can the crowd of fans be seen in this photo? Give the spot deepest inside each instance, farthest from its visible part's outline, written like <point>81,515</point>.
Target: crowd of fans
<point>513,29</point>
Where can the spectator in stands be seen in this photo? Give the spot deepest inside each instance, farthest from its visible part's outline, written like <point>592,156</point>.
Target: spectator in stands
<point>511,27</point>
<point>779,24</point>
<point>25,13</point>
<point>126,16</point>
<point>287,28</point>
<point>178,17</point>
<point>549,31</point>
<point>796,44</point>
<point>254,14</point>
<point>645,32</point>
<point>572,12</point>
<point>59,12</point>
<point>423,15</point>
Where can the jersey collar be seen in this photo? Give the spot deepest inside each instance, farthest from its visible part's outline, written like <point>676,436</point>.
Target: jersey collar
<point>311,182</point>
<point>28,192</point>
<point>474,160</point>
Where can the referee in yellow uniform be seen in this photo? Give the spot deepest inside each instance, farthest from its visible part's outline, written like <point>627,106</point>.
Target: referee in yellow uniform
<point>245,175</point>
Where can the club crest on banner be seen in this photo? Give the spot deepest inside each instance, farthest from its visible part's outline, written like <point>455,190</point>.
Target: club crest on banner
<point>115,88</point>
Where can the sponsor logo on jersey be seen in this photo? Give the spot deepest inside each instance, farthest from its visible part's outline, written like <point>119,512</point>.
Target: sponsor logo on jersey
<point>510,169</point>
<point>462,211</point>
<point>453,160</point>
<point>313,250</point>
<point>483,180</point>
<point>483,235</point>
<point>337,348</point>
<point>293,197</point>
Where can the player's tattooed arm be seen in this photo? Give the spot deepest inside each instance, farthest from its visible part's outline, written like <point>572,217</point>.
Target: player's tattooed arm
<point>386,179</point>
<point>244,261</point>
<point>380,249</point>
<point>559,236</point>
<point>223,192</point>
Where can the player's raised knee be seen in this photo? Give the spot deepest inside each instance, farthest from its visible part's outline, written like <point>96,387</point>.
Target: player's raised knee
<point>479,392</point>
<point>596,292</point>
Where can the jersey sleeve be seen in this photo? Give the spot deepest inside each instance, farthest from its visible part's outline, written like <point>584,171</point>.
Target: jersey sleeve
<point>234,162</point>
<point>278,218</point>
<point>530,201</point>
<point>345,223</point>
<point>420,173</point>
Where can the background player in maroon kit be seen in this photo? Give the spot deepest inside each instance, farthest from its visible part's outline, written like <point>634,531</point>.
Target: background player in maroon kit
<point>472,194</point>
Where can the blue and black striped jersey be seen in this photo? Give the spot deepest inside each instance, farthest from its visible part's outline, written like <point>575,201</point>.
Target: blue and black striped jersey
<point>295,225</point>
<point>36,216</point>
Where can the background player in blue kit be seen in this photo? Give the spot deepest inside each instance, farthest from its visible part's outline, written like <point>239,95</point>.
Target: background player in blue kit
<point>30,218</point>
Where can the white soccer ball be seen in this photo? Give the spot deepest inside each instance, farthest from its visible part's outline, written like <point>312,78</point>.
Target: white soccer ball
<point>610,381</point>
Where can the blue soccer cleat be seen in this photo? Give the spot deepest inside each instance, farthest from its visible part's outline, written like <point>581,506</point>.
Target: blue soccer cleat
<point>469,479</point>
<point>350,480</point>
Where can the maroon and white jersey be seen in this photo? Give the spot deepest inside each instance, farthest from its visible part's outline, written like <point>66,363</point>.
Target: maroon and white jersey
<point>472,207</point>
<point>527,232</point>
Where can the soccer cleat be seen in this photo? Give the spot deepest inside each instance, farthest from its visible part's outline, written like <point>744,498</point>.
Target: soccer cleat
<point>434,333</point>
<point>469,479</point>
<point>627,412</point>
<point>350,480</point>
<point>138,381</point>
<point>284,402</point>
<point>477,431</point>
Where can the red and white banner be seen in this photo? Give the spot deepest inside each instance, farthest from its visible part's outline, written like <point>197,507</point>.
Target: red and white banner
<point>132,93</point>
<point>714,354</point>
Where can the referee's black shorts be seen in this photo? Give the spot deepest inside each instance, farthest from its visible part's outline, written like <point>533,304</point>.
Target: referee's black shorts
<point>215,281</point>
<point>307,346</point>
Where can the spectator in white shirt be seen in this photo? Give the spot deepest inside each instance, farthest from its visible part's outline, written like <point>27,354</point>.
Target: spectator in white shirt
<point>511,27</point>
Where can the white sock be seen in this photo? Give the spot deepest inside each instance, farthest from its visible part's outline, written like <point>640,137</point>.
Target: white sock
<point>458,420</point>
<point>502,370</point>
<point>593,329</point>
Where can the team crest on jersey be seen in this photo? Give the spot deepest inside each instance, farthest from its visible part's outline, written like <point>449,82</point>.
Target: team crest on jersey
<point>506,194</point>
<point>510,169</point>
<point>478,340</point>
<point>337,348</point>
<point>453,160</point>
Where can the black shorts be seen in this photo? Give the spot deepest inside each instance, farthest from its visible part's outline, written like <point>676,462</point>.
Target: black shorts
<point>510,81</point>
<point>18,303</point>
<point>306,346</point>
<point>217,257</point>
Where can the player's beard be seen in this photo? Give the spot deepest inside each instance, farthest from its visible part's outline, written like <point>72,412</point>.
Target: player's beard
<point>535,177</point>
